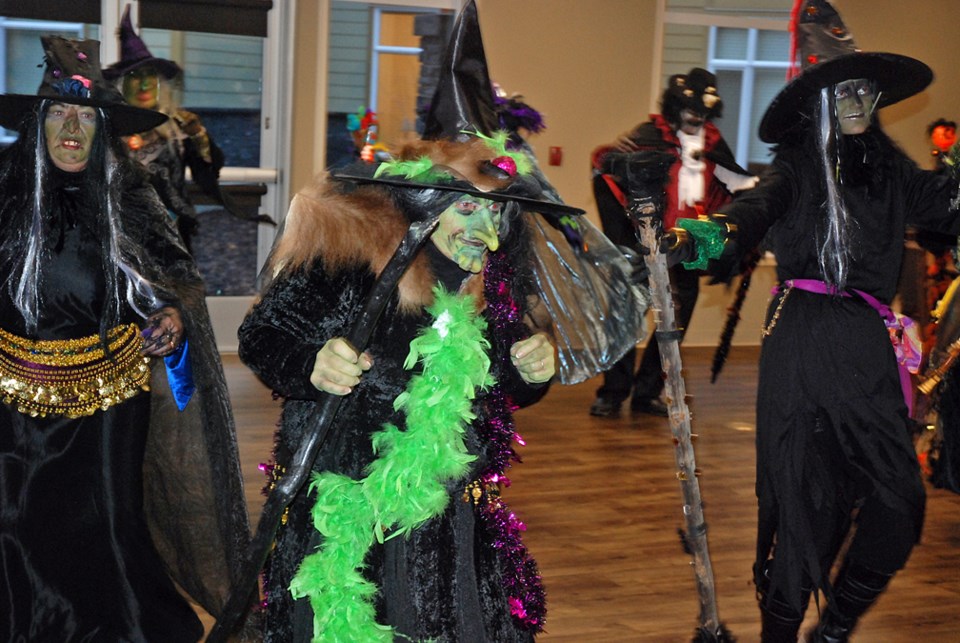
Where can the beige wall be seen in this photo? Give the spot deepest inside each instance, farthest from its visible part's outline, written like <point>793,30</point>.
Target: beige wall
<point>586,65</point>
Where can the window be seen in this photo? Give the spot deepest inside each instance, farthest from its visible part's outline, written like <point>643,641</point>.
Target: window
<point>221,84</point>
<point>751,67</point>
<point>375,61</point>
<point>746,44</point>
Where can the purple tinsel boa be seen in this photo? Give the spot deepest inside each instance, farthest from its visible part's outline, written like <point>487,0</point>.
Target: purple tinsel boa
<point>521,577</point>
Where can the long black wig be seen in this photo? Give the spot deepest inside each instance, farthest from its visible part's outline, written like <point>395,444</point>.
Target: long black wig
<point>25,182</point>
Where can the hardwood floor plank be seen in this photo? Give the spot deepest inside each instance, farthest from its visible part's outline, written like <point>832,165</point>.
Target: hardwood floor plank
<point>601,502</point>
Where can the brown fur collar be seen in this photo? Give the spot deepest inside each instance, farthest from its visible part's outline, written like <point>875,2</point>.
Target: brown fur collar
<point>353,231</point>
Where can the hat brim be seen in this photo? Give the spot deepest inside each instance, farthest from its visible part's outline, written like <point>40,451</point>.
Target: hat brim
<point>528,204</point>
<point>898,77</point>
<point>167,68</point>
<point>124,119</point>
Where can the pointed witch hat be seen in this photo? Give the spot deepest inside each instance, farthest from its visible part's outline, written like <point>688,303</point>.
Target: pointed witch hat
<point>464,95</point>
<point>828,55</point>
<point>135,54</point>
<point>72,75</point>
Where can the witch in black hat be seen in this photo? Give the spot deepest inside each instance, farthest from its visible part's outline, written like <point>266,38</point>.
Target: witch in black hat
<point>182,142</point>
<point>96,442</point>
<point>833,440</point>
<point>402,531</point>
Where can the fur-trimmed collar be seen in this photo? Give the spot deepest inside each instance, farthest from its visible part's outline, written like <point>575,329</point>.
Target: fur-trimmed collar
<point>355,230</point>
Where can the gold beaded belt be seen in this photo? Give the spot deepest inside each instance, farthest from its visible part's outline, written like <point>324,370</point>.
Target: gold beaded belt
<point>72,377</point>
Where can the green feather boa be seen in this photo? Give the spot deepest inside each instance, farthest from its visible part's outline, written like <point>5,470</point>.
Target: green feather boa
<point>404,486</point>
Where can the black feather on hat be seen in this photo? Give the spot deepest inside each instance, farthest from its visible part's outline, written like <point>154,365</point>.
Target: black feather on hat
<point>828,55</point>
<point>72,75</point>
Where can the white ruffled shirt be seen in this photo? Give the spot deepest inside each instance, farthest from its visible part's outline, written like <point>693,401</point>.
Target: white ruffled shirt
<point>690,177</point>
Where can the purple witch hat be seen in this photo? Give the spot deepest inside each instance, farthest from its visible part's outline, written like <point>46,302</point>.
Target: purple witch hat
<point>134,54</point>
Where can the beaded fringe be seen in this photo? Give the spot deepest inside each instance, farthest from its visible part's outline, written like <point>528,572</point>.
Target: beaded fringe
<point>72,377</point>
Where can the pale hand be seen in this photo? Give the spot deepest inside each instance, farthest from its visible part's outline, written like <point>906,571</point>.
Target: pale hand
<point>534,358</point>
<point>337,368</point>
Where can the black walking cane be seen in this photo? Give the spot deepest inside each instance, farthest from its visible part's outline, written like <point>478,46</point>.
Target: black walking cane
<point>301,464</point>
<point>644,174</point>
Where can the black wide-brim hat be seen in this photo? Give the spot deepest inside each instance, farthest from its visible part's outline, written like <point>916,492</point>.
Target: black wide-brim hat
<point>897,77</point>
<point>465,167</point>
<point>72,75</point>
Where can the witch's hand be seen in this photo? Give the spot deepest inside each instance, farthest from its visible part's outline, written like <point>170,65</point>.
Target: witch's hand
<point>338,367</point>
<point>163,333</point>
<point>534,358</point>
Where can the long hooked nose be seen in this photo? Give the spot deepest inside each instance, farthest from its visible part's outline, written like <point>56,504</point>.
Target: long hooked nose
<point>487,233</point>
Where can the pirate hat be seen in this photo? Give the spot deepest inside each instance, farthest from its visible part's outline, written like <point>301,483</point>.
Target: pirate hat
<point>461,150</point>
<point>72,75</point>
<point>696,90</point>
<point>134,54</point>
<point>828,55</point>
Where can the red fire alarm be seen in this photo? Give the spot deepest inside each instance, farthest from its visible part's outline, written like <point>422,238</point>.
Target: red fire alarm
<point>556,155</point>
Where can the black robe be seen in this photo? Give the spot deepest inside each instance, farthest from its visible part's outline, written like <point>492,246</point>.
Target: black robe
<point>832,425</point>
<point>443,582</point>
<point>98,513</point>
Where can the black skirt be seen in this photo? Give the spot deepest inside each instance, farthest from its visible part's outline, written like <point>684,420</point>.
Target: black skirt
<point>77,561</point>
<point>832,431</point>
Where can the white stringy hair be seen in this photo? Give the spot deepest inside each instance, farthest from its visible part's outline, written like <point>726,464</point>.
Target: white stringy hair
<point>27,296</point>
<point>835,251</point>
<point>139,293</point>
<point>138,290</point>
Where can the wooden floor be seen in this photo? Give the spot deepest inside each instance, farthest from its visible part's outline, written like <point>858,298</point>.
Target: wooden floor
<point>601,503</point>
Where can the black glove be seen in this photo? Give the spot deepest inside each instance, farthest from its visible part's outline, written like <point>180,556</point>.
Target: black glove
<point>678,246</point>
<point>639,273</point>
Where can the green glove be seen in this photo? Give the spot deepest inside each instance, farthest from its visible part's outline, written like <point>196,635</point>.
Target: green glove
<point>709,236</point>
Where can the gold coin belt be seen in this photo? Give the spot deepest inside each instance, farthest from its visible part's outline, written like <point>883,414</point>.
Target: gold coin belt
<point>72,377</point>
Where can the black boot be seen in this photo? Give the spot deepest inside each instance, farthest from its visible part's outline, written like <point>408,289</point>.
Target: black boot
<point>779,621</point>
<point>856,589</point>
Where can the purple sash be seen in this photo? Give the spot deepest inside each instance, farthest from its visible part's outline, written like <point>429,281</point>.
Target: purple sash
<point>904,334</point>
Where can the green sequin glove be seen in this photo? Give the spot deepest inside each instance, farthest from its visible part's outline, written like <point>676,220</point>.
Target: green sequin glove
<point>709,238</point>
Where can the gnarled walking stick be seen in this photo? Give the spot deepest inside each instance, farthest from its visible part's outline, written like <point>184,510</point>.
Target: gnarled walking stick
<point>643,175</point>
<point>301,464</point>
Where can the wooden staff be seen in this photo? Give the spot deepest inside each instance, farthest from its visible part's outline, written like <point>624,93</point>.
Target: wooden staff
<point>644,175</point>
<point>936,376</point>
